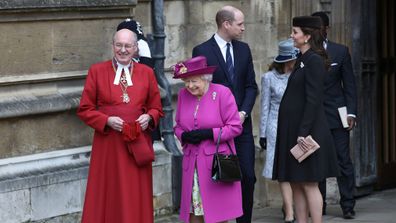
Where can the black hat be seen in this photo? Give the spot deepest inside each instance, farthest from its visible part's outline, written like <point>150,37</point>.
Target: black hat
<point>132,25</point>
<point>323,16</point>
<point>307,21</point>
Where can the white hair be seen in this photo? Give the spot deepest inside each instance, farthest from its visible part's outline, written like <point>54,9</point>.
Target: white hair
<point>207,77</point>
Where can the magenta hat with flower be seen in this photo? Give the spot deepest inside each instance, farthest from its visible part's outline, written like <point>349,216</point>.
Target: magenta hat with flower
<point>192,67</point>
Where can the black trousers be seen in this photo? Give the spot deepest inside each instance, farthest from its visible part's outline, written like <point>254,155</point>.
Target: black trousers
<point>346,181</point>
<point>246,154</point>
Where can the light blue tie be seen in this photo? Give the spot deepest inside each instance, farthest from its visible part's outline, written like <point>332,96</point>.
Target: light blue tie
<point>229,63</point>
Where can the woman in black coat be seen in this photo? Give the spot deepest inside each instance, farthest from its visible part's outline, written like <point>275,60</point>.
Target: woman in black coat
<point>301,113</point>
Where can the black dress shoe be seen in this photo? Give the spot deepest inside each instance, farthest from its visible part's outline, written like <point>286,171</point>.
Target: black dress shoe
<point>349,215</point>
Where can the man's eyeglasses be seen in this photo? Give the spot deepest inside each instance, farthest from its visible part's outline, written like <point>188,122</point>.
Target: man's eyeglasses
<point>119,46</point>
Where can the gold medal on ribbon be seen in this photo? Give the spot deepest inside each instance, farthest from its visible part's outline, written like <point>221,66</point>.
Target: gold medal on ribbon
<point>125,98</point>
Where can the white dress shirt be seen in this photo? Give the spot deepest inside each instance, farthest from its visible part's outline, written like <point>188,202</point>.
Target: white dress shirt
<point>223,47</point>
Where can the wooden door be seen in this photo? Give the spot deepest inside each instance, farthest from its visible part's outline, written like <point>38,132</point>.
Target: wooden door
<point>387,96</point>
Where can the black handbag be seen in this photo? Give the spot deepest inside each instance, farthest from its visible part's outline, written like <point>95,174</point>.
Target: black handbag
<point>225,167</point>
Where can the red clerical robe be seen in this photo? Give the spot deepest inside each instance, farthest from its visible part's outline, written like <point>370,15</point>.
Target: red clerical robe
<point>117,189</point>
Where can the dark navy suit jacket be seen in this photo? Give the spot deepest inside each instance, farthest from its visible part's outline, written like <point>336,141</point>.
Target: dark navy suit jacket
<point>340,86</point>
<point>243,86</point>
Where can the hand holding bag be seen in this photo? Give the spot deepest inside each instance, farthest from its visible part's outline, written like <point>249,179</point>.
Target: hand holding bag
<point>225,167</point>
<point>130,131</point>
<point>137,143</point>
<point>302,150</point>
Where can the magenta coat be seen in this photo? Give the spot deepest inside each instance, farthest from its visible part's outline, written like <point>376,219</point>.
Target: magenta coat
<point>217,109</point>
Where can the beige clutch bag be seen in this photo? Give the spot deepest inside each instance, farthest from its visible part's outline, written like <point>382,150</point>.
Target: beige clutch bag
<point>301,152</point>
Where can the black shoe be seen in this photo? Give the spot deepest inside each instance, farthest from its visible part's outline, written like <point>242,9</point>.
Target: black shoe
<point>349,214</point>
<point>324,209</point>
<point>292,221</point>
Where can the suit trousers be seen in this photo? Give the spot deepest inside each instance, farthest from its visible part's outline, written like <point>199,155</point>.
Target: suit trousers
<point>246,153</point>
<point>346,181</point>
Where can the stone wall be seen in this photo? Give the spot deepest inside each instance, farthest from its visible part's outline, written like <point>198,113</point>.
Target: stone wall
<point>44,149</point>
<point>51,185</point>
<point>47,49</point>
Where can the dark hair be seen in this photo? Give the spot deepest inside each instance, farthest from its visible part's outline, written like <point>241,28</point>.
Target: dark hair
<point>224,15</point>
<point>316,43</point>
<point>279,67</point>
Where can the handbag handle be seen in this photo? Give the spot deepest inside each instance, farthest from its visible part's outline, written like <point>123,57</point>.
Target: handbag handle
<point>218,143</point>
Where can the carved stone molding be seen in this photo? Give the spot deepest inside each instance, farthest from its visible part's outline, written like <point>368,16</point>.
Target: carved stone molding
<point>61,4</point>
<point>36,94</point>
<point>49,10</point>
<point>40,93</point>
<point>14,169</point>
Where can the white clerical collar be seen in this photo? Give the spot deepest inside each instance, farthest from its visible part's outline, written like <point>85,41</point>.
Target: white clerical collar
<point>121,67</point>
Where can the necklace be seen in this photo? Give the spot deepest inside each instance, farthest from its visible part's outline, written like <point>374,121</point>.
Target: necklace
<point>124,85</point>
<point>206,88</point>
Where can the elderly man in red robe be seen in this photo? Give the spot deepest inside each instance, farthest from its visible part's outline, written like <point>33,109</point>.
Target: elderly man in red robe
<point>121,102</point>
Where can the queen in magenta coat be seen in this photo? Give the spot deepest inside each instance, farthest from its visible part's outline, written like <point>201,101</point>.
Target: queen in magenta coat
<point>203,109</point>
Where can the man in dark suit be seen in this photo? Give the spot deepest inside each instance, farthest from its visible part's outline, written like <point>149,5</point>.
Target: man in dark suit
<point>235,70</point>
<point>340,91</point>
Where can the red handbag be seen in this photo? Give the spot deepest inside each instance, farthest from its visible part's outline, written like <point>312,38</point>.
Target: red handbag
<point>138,144</point>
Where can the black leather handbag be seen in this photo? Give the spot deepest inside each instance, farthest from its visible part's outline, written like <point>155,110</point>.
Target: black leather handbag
<point>225,167</point>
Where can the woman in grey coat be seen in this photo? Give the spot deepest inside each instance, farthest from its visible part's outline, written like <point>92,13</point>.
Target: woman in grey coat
<point>273,84</point>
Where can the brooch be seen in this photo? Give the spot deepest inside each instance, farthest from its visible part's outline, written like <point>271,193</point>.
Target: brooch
<point>180,68</point>
<point>301,64</point>
<point>214,95</point>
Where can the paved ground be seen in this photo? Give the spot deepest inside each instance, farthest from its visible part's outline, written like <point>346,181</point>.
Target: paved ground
<point>379,207</point>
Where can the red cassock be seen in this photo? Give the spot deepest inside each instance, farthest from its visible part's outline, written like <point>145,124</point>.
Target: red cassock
<point>118,191</point>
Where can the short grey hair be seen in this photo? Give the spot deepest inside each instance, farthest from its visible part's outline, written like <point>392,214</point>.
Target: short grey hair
<point>207,77</point>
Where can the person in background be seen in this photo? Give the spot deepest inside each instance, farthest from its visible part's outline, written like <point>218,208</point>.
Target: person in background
<point>273,84</point>
<point>121,102</point>
<point>301,113</point>
<point>142,55</point>
<point>235,71</point>
<point>203,111</point>
<point>340,91</point>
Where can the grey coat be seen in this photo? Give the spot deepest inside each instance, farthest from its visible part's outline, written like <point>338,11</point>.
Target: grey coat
<point>273,86</point>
